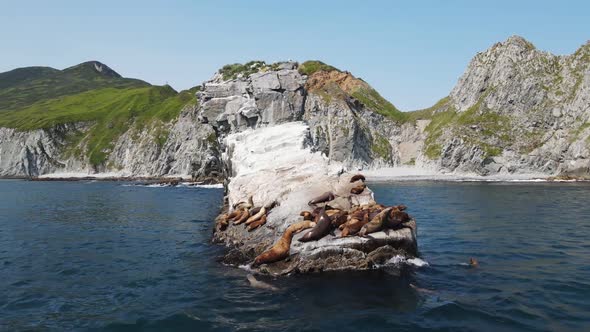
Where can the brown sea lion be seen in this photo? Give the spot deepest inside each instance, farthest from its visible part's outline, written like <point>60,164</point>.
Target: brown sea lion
<point>357,177</point>
<point>376,224</point>
<point>373,212</point>
<point>280,250</point>
<point>321,229</point>
<point>353,226</point>
<point>233,215</point>
<point>400,207</point>
<point>257,223</point>
<point>358,189</point>
<point>325,197</point>
<point>222,222</point>
<point>255,210</point>
<point>243,217</point>
<point>256,216</point>
<point>306,215</point>
<point>339,218</point>
<point>473,262</point>
<point>396,218</point>
<point>332,212</point>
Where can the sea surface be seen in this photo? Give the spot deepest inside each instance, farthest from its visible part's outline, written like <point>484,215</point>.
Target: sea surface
<point>110,256</point>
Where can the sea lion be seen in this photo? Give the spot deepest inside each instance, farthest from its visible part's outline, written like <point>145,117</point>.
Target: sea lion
<point>358,189</point>
<point>257,223</point>
<point>376,224</point>
<point>353,226</point>
<point>271,205</point>
<point>396,218</point>
<point>245,205</point>
<point>256,216</point>
<point>243,217</point>
<point>260,284</point>
<point>400,207</point>
<point>325,197</point>
<point>280,250</point>
<point>306,215</point>
<point>321,229</point>
<point>473,262</point>
<point>233,215</point>
<point>357,177</point>
<point>222,222</point>
<point>332,212</point>
<point>339,218</point>
<point>255,210</point>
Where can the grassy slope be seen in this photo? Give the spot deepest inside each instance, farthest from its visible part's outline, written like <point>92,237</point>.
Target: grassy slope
<point>113,104</point>
<point>23,87</point>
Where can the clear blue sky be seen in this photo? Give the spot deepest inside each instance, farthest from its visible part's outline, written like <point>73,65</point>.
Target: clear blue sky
<point>411,51</point>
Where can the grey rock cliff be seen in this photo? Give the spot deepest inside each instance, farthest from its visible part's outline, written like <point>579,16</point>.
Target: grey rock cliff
<point>184,148</point>
<point>519,109</point>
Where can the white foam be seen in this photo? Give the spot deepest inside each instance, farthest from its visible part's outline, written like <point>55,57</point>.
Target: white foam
<point>181,185</point>
<point>399,260</point>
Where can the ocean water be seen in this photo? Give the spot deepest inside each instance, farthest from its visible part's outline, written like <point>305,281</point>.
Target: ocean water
<point>105,256</point>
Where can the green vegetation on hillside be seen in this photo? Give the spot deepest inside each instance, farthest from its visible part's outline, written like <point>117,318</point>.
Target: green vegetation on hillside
<point>477,126</point>
<point>428,113</point>
<point>23,87</point>
<point>374,101</point>
<point>111,111</point>
<point>42,98</point>
<point>231,71</point>
<point>312,66</point>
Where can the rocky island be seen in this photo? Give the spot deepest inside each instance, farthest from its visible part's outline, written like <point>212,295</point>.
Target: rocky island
<point>285,133</point>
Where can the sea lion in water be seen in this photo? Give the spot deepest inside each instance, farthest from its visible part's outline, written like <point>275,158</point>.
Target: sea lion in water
<point>257,223</point>
<point>257,216</point>
<point>243,217</point>
<point>473,262</point>
<point>280,250</point>
<point>321,229</point>
<point>358,189</point>
<point>325,197</point>
<point>357,177</point>
<point>376,224</point>
<point>260,284</point>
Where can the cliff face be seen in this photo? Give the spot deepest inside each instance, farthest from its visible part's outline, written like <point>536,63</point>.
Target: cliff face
<point>180,148</point>
<point>341,127</point>
<point>516,109</point>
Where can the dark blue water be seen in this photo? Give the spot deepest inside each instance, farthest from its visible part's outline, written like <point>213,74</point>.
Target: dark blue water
<point>103,256</point>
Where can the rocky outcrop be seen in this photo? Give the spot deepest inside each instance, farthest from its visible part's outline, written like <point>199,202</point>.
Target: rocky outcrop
<point>187,148</point>
<point>182,148</point>
<point>516,110</point>
<point>276,164</point>
<point>36,152</point>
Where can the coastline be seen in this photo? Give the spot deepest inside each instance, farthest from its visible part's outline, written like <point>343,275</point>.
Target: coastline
<point>173,180</point>
<point>377,175</point>
<point>404,173</point>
